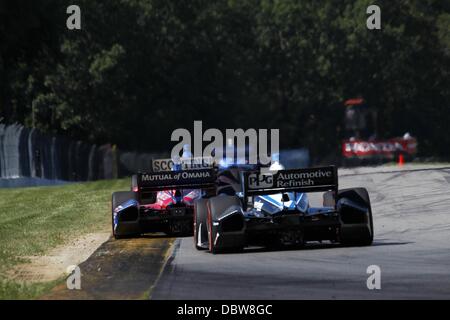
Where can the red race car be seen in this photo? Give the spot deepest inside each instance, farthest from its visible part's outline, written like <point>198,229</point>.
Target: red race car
<point>161,202</point>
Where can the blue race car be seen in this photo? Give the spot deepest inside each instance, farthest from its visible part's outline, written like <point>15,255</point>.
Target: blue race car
<point>271,207</point>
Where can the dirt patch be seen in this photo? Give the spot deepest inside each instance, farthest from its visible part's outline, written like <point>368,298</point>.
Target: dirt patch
<point>54,264</point>
<point>119,269</point>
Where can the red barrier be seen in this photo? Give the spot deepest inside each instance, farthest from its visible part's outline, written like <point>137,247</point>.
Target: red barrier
<point>386,149</point>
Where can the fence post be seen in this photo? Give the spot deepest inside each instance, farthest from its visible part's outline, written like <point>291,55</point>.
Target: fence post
<point>114,162</point>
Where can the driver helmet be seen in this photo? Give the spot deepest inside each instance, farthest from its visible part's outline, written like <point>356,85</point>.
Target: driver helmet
<point>276,165</point>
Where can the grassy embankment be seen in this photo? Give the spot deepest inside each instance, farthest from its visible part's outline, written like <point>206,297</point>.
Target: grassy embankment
<point>35,220</point>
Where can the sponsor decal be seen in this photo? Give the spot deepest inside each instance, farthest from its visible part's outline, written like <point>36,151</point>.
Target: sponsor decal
<point>388,149</point>
<point>162,165</point>
<point>291,179</point>
<point>259,180</point>
<point>177,178</point>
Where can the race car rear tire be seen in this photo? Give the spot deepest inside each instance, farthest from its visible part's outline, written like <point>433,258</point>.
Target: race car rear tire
<point>357,234</point>
<point>200,225</point>
<point>117,199</point>
<point>216,206</point>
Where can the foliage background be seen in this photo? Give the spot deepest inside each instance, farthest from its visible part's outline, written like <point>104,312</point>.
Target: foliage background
<point>138,69</point>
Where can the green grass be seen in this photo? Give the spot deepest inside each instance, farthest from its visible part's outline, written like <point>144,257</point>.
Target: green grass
<point>35,220</point>
<point>22,291</point>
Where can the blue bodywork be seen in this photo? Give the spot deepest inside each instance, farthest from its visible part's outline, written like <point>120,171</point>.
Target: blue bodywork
<point>267,205</point>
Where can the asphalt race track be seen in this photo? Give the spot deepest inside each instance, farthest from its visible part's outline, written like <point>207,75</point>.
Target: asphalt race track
<point>411,246</point>
<point>412,235</point>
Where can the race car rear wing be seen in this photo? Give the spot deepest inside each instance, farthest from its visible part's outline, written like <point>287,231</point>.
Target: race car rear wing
<point>175,180</point>
<point>296,180</point>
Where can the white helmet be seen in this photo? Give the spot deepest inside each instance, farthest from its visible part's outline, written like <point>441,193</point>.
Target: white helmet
<point>186,151</point>
<point>276,165</point>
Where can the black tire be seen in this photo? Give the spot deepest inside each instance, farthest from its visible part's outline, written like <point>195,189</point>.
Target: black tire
<point>216,206</point>
<point>200,226</point>
<point>117,199</point>
<point>361,197</point>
